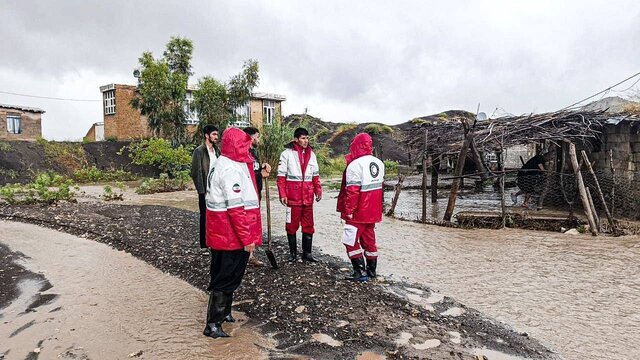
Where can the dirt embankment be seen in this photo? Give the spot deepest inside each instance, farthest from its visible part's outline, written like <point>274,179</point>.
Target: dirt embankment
<point>309,309</point>
<point>21,161</point>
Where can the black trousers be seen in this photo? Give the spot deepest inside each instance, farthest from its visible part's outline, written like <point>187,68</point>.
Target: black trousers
<point>227,269</point>
<point>203,220</point>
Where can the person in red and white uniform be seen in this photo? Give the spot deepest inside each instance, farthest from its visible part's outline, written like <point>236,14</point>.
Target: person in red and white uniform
<point>360,205</point>
<point>298,184</point>
<point>233,228</point>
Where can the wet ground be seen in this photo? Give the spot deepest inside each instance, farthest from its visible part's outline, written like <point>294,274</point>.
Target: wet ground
<point>309,309</point>
<point>576,293</point>
<point>79,299</point>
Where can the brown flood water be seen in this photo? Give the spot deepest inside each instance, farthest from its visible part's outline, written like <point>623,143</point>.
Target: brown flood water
<point>578,294</point>
<point>109,305</point>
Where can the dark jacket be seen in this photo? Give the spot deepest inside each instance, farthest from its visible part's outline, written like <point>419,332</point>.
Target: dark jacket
<point>200,167</point>
<point>257,169</point>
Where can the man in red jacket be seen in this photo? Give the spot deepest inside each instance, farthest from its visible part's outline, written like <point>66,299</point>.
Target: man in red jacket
<point>233,207</point>
<point>298,182</point>
<point>360,205</point>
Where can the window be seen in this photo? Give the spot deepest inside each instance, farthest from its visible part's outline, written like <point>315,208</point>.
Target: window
<point>109,102</point>
<point>192,114</point>
<point>13,124</point>
<point>268,111</point>
<point>243,114</point>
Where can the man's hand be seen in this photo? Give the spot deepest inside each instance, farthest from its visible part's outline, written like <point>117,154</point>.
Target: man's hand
<point>318,197</point>
<point>283,201</point>
<point>250,248</point>
<point>266,170</point>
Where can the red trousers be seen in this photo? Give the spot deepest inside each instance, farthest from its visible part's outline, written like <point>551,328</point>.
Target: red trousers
<point>360,239</point>
<point>299,215</point>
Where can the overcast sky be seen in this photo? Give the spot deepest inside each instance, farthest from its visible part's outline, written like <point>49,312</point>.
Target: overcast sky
<point>383,61</point>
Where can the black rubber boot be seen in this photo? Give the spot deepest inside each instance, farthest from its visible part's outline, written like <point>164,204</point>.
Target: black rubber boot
<point>371,267</point>
<point>307,241</point>
<point>215,315</point>
<point>293,248</point>
<point>359,272</point>
<point>227,309</point>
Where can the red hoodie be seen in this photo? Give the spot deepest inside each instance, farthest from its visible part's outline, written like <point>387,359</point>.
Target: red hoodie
<point>360,198</point>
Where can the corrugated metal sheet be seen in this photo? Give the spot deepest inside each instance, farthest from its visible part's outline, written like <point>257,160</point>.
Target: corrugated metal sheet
<point>21,108</point>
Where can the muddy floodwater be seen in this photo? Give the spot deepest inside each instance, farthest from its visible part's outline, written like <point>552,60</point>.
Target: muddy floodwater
<point>578,294</point>
<point>100,303</point>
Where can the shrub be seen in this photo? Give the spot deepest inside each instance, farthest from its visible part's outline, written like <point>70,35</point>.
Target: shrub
<point>47,188</point>
<point>375,129</point>
<point>5,146</point>
<point>164,184</point>
<point>110,195</point>
<point>273,138</point>
<point>345,127</point>
<point>390,167</point>
<point>159,152</point>
<point>93,174</point>
<point>70,155</point>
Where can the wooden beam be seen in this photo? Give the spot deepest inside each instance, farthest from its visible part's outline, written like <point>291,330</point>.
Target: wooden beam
<point>458,172</point>
<point>581,189</point>
<point>610,219</point>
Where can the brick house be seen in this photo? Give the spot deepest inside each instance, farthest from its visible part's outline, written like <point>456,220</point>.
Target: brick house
<point>122,122</point>
<point>20,122</point>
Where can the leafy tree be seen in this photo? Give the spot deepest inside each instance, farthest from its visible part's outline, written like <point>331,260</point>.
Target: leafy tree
<point>210,101</point>
<point>178,55</point>
<point>216,102</point>
<point>162,89</point>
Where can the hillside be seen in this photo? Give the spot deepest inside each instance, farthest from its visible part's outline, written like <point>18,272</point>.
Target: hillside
<point>391,141</point>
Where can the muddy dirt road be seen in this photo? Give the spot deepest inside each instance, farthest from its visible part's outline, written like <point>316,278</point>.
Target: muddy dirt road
<point>576,293</point>
<point>79,299</point>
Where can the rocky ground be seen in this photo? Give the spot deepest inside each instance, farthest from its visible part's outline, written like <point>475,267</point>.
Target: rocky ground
<point>309,309</point>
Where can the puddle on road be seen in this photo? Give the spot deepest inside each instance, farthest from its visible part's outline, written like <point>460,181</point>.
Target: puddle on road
<point>495,355</point>
<point>109,305</point>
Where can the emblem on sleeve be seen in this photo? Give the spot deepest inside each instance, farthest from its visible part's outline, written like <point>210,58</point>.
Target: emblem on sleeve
<point>374,169</point>
<point>236,188</point>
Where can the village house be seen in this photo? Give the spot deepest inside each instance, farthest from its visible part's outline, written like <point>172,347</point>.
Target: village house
<point>20,122</point>
<point>122,122</point>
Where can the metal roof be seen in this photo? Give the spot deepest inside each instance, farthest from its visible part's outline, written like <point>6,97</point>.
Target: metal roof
<point>21,108</point>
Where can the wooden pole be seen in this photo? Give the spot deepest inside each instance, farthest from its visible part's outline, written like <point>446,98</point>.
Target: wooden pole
<point>593,208</point>
<point>425,164</point>
<point>435,165</point>
<point>581,189</point>
<point>613,182</point>
<point>458,172</point>
<point>599,191</point>
<point>396,195</point>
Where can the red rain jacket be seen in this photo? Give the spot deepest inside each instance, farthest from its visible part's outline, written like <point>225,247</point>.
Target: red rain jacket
<point>233,208</point>
<point>362,182</point>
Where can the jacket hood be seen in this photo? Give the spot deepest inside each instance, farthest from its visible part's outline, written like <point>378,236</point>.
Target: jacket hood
<point>235,145</point>
<point>361,145</point>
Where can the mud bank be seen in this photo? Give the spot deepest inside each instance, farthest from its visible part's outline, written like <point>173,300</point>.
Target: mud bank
<point>309,309</point>
<point>79,299</point>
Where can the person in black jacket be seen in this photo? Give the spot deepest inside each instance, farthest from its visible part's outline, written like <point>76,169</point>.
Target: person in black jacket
<point>202,162</point>
<point>261,170</point>
<point>530,178</point>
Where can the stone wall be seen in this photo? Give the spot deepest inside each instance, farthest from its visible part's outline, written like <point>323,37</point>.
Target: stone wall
<point>31,125</point>
<point>623,141</point>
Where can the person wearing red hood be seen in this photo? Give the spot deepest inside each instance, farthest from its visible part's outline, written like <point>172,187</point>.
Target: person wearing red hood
<point>233,227</point>
<point>360,205</point>
<point>298,182</point>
